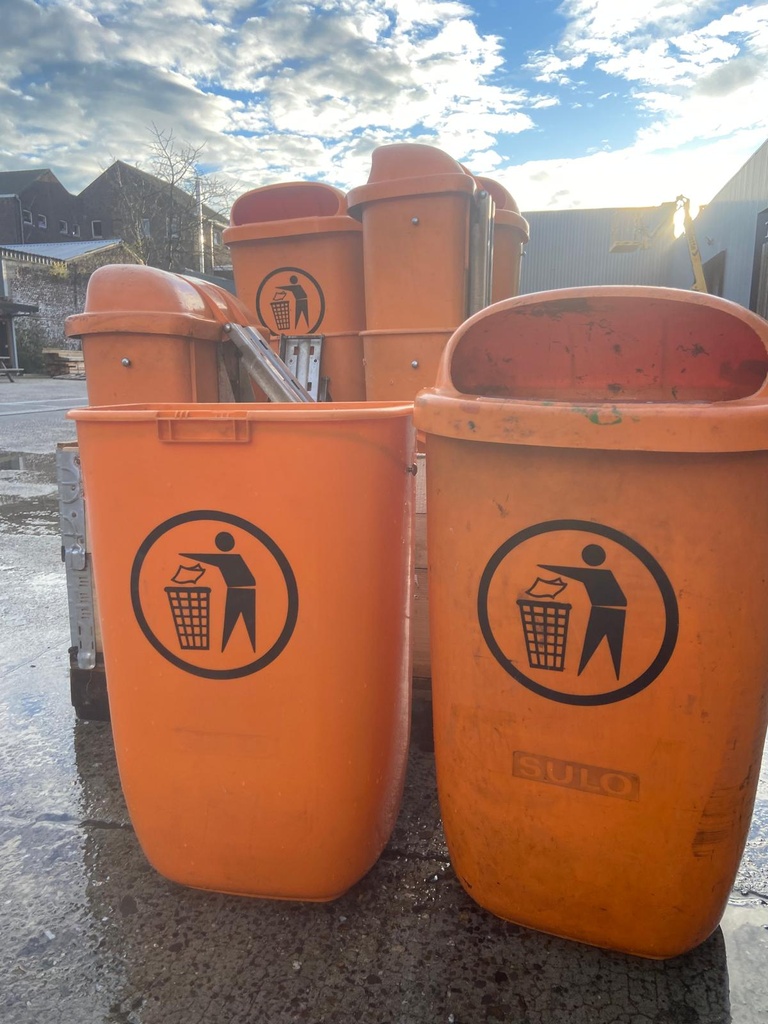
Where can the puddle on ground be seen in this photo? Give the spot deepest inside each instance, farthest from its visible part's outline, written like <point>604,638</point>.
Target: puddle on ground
<point>33,467</point>
<point>35,517</point>
<point>29,500</point>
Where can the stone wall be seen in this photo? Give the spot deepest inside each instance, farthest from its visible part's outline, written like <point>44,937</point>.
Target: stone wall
<point>58,291</point>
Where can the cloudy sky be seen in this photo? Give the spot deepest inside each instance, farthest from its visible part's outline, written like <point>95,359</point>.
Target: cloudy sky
<point>568,103</point>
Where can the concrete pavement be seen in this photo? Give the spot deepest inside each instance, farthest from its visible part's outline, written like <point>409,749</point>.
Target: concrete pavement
<point>91,933</point>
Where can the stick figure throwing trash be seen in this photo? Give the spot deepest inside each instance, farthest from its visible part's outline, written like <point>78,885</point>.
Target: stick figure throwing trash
<point>240,602</point>
<point>608,613</point>
<point>301,299</point>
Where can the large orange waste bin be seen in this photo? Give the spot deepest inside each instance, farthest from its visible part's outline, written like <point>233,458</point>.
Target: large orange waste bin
<point>598,574</point>
<point>415,211</point>
<point>151,336</point>
<point>510,233</point>
<point>257,654</point>
<point>297,259</point>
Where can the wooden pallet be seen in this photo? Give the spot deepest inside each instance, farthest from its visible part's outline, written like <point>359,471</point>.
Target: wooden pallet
<point>63,362</point>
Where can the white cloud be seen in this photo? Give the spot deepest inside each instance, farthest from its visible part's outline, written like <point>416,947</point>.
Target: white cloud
<point>285,82</point>
<point>307,88</point>
<point>650,177</point>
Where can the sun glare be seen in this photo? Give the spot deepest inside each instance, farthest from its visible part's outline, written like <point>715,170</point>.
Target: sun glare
<point>678,221</point>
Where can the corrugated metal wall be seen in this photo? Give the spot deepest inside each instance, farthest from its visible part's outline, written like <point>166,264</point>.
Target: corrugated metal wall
<point>728,224</point>
<point>571,248</point>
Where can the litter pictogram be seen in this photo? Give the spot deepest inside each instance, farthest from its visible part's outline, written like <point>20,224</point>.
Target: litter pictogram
<point>194,590</point>
<point>290,300</point>
<point>598,623</point>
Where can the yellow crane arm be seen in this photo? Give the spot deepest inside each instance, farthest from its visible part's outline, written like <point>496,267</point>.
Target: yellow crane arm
<point>699,281</point>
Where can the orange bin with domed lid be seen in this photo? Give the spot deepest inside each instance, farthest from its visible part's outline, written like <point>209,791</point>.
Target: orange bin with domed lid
<point>598,581</point>
<point>150,336</point>
<point>297,259</point>
<point>415,211</point>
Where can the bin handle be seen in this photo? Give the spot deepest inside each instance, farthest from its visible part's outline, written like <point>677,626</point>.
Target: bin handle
<point>211,429</point>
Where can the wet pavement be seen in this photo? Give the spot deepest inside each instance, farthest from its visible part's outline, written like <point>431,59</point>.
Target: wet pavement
<point>92,934</point>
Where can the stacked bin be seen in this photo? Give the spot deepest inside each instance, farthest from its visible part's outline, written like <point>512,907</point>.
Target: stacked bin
<point>257,664</point>
<point>415,211</point>
<point>510,233</point>
<point>598,564</point>
<point>148,335</point>
<point>297,262</point>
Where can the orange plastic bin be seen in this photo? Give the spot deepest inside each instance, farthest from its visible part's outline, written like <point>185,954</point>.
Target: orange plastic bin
<point>415,211</point>
<point>257,655</point>
<point>510,233</point>
<point>150,336</point>
<point>297,258</point>
<point>598,572</point>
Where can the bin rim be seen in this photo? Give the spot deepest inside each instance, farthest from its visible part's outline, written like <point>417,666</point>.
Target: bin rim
<point>143,322</point>
<point>292,227</point>
<point>730,425</point>
<point>152,412</point>
<point>407,188</point>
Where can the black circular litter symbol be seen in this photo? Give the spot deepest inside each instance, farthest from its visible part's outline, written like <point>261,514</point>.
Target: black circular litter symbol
<point>189,605</point>
<point>592,556</point>
<point>295,299</point>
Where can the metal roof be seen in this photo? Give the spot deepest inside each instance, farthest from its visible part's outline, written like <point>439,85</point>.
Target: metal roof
<point>57,251</point>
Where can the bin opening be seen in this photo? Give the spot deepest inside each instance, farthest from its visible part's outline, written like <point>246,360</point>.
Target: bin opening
<point>288,201</point>
<point>615,348</point>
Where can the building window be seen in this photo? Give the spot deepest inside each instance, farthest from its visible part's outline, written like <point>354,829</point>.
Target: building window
<point>76,230</point>
<point>26,216</point>
<point>63,227</point>
<point>42,221</point>
<point>96,229</point>
<point>146,228</point>
<point>216,237</point>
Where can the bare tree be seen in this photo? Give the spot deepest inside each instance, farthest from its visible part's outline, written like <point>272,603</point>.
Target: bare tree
<point>162,212</point>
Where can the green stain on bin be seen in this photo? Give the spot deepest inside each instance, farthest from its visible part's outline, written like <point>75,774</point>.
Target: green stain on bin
<point>599,416</point>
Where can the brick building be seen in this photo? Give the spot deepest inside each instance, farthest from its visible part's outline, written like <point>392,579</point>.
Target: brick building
<point>160,224</point>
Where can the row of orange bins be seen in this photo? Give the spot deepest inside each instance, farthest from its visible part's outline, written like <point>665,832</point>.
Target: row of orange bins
<point>384,273</point>
<point>598,571</point>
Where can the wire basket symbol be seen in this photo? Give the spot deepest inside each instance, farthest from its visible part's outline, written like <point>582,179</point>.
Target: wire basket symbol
<point>190,607</point>
<point>545,625</point>
<point>281,311</point>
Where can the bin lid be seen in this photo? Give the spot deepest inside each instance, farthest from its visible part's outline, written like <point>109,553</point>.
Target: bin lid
<point>288,200</point>
<point>289,209</point>
<point>409,169</point>
<point>127,299</point>
<point>507,213</point>
<point>627,368</point>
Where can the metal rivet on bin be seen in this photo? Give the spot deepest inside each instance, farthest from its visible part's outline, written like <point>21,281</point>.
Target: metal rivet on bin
<point>415,364</point>
<point>414,220</point>
<point>126,361</point>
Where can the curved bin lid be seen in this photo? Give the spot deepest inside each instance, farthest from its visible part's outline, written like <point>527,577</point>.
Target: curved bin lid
<point>613,368</point>
<point>409,169</point>
<point>127,299</point>
<point>288,208</point>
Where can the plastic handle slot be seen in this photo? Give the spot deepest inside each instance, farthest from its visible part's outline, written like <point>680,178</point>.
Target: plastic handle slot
<point>217,430</point>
